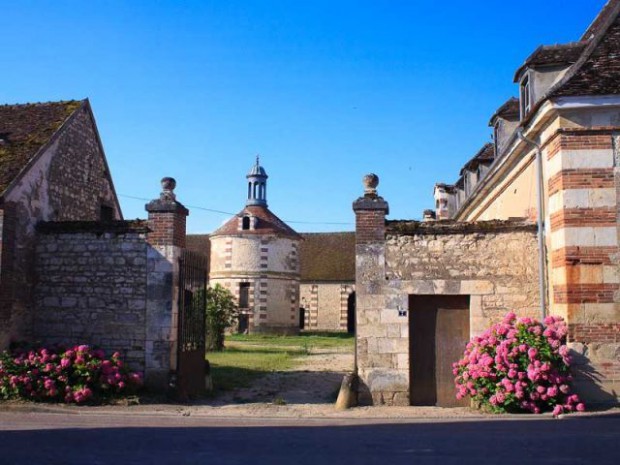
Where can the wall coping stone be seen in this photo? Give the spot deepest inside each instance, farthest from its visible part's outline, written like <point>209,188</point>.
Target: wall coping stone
<point>410,227</point>
<point>371,202</point>
<point>97,227</point>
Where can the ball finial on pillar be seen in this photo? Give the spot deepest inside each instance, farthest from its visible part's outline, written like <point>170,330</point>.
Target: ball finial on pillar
<point>370,181</point>
<point>167,188</point>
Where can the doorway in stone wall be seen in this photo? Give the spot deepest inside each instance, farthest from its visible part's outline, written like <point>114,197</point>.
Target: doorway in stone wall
<point>438,333</point>
<point>351,313</point>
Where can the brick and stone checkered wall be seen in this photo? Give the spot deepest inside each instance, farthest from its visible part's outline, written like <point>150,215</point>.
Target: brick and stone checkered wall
<point>583,184</point>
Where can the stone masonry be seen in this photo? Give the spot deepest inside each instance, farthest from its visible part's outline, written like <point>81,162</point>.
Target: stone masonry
<point>492,262</point>
<point>115,285</point>
<point>92,286</point>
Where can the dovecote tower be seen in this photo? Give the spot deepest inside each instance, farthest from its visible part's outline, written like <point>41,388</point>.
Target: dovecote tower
<point>255,256</point>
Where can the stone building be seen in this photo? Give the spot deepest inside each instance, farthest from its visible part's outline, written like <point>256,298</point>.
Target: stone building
<point>327,286</point>
<point>533,223</point>
<point>52,168</point>
<point>256,256</point>
<point>73,272</point>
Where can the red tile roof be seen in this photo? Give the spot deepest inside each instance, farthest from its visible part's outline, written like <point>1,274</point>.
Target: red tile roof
<point>268,223</point>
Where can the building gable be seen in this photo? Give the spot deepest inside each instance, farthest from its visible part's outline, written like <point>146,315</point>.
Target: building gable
<point>25,130</point>
<point>54,164</point>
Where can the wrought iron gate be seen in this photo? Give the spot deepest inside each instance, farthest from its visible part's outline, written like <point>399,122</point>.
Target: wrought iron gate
<point>191,324</point>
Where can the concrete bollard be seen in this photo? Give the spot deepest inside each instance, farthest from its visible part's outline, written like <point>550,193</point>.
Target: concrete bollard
<point>347,397</point>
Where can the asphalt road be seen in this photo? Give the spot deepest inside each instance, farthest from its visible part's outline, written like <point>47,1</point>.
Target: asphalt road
<point>122,439</point>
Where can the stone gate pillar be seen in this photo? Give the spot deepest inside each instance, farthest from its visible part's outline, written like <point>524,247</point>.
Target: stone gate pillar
<point>381,372</point>
<point>166,240</point>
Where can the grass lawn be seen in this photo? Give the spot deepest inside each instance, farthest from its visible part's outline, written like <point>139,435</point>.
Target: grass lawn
<point>248,357</point>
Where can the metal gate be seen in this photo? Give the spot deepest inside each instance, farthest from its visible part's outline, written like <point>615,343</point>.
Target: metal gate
<point>191,325</point>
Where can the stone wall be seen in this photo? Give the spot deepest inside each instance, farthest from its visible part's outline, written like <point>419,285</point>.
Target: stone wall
<point>92,287</point>
<point>495,263</point>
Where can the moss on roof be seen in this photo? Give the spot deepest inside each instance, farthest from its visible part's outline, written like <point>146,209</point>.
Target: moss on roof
<point>327,257</point>
<point>24,129</point>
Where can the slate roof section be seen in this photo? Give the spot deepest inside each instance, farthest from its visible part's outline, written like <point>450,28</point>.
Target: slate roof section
<point>598,70</point>
<point>599,21</point>
<point>508,111</point>
<point>268,223</point>
<point>484,156</point>
<point>547,55</point>
<point>327,257</point>
<point>449,188</point>
<point>24,130</point>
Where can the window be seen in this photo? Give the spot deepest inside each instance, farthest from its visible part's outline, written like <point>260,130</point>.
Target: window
<point>244,295</point>
<point>245,223</point>
<point>106,213</point>
<point>526,98</point>
<point>496,136</point>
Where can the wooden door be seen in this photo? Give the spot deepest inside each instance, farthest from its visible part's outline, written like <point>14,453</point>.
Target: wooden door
<point>438,333</point>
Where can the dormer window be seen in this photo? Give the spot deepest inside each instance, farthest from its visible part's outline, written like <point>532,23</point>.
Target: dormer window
<point>245,223</point>
<point>526,97</point>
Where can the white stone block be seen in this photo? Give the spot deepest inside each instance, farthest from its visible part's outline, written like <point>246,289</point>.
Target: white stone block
<point>601,313</point>
<point>389,315</point>
<point>584,237</point>
<point>402,361</point>
<point>611,274</point>
<point>580,159</point>
<point>476,287</point>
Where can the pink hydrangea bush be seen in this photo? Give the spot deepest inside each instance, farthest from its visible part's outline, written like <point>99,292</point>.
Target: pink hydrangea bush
<point>76,375</point>
<point>518,365</point>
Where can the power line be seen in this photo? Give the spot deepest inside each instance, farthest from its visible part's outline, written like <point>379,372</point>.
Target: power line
<point>195,207</point>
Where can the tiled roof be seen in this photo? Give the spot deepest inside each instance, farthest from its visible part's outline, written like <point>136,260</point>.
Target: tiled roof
<point>485,156</point>
<point>268,223</point>
<point>566,54</point>
<point>509,110</point>
<point>450,188</point>
<point>198,243</point>
<point>598,70</point>
<point>327,257</point>
<point>599,21</point>
<point>24,129</point>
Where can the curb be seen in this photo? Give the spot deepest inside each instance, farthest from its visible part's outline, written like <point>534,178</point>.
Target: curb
<point>335,415</point>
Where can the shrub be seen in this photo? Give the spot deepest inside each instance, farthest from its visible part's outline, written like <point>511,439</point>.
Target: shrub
<point>221,314</point>
<point>76,375</point>
<point>518,365</point>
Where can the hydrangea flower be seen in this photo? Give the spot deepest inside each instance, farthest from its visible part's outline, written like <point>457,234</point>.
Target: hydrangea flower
<point>518,365</point>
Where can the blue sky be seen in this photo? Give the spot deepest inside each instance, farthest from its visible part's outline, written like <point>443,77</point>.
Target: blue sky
<point>324,90</point>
